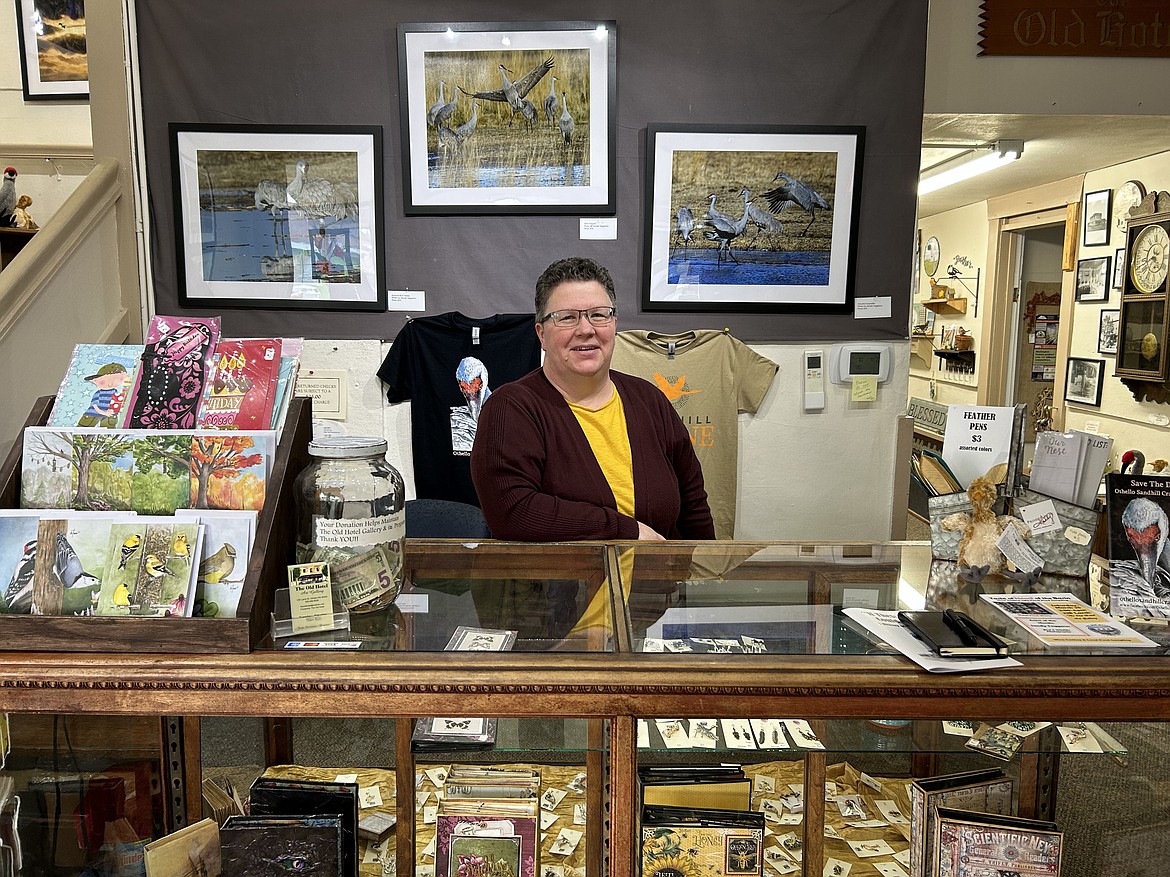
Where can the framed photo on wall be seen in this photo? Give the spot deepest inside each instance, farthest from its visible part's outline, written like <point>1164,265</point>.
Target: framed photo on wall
<point>508,117</point>
<point>1093,279</point>
<point>54,63</point>
<point>279,216</point>
<point>1118,268</point>
<point>1107,331</point>
<point>1083,382</point>
<point>1097,216</point>
<point>753,219</point>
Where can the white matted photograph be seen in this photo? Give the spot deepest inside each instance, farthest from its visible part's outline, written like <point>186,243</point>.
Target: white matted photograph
<point>278,216</point>
<point>1107,331</point>
<point>1093,279</point>
<point>751,219</point>
<point>1096,217</point>
<point>1083,383</point>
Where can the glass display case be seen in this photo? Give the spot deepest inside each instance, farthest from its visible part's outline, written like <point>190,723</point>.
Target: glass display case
<point>621,657</point>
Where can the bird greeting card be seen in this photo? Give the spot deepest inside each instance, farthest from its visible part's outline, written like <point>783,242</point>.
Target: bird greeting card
<point>1139,547</point>
<point>150,568</point>
<point>227,545</point>
<point>96,383</point>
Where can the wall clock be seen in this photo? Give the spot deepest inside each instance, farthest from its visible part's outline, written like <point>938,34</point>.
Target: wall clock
<point>1149,259</point>
<point>1144,323</point>
<point>930,255</point>
<point>1128,195</point>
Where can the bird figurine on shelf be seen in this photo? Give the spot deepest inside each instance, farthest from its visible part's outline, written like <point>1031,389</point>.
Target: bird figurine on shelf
<point>20,217</point>
<point>8,197</point>
<point>1136,460</point>
<point>979,555</point>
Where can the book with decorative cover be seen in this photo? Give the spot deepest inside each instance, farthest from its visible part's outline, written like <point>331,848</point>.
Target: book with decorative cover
<point>96,383</point>
<point>715,843</point>
<point>988,791</point>
<point>459,823</point>
<point>275,796</point>
<point>277,846</point>
<point>175,361</point>
<point>969,844</point>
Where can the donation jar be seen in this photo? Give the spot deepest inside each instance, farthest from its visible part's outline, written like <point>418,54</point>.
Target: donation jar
<point>351,514</point>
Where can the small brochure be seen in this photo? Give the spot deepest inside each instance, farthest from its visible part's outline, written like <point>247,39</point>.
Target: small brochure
<point>1064,620</point>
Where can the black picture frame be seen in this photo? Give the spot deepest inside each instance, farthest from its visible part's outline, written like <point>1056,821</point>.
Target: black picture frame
<point>256,229</point>
<point>805,261</point>
<point>1093,279</point>
<point>1118,268</point>
<point>1108,323</point>
<point>1083,381</point>
<point>486,157</point>
<point>1096,217</point>
<point>54,61</point>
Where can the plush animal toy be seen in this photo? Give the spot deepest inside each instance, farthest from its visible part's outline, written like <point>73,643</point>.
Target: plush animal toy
<point>20,217</point>
<point>979,556</point>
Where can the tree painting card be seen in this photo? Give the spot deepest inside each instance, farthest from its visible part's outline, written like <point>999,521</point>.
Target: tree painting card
<point>229,470</point>
<point>94,389</point>
<point>227,545</point>
<point>149,568</point>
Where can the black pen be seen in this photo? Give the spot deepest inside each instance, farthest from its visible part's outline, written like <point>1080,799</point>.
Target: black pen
<point>958,624</point>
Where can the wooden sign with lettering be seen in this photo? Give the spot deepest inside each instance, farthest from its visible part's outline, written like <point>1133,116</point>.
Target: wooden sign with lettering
<point>1098,28</point>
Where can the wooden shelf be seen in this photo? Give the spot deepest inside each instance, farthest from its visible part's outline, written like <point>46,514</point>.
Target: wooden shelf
<point>957,305</point>
<point>921,346</point>
<point>963,355</point>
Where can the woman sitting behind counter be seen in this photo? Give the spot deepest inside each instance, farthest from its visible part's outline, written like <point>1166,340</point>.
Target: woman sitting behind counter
<point>575,451</point>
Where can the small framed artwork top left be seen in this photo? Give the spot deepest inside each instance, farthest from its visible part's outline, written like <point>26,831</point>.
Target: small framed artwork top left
<point>54,61</point>
<point>279,216</point>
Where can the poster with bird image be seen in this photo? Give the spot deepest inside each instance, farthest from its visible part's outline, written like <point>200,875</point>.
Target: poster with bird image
<point>753,219</point>
<point>279,216</point>
<point>508,118</point>
<point>1139,545</point>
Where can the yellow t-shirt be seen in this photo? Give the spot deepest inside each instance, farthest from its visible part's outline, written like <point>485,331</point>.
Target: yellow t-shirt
<point>605,428</point>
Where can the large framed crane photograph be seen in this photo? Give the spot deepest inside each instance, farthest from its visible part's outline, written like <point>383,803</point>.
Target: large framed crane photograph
<point>508,117</point>
<point>277,216</point>
<point>752,219</point>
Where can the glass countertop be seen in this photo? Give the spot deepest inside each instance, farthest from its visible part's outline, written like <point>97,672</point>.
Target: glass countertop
<point>746,598</point>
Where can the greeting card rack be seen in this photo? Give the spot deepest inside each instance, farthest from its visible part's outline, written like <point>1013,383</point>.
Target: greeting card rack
<point>267,569</point>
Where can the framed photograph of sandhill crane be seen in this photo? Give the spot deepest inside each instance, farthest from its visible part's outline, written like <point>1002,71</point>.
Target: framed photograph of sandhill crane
<point>751,219</point>
<point>278,216</point>
<point>508,117</point>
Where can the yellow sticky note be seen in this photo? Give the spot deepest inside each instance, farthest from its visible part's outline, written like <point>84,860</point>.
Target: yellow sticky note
<point>864,389</point>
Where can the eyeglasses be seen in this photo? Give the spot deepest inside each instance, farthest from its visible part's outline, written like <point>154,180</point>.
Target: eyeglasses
<point>570,317</point>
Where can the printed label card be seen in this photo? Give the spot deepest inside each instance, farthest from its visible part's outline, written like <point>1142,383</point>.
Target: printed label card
<point>890,869</point>
<point>836,868</point>
<point>793,845</point>
<point>673,734</point>
<point>552,797</point>
<point>867,849</point>
<point>1077,738</point>
<point>737,734</point>
<point>891,813</point>
<point>704,733</point>
<point>579,814</point>
<point>779,862</point>
<point>802,734</point>
<point>643,737</point>
<point>772,809</point>
<point>547,819</point>
<point>566,842</point>
<point>370,796</point>
<point>437,775</point>
<point>850,806</point>
<point>762,783</point>
<point>769,734</point>
<point>577,784</point>
<point>431,814</point>
<point>653,645</point>
<point>958,727</point>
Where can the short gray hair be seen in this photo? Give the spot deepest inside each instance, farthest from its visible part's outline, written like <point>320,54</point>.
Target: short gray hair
<point>572,269</point>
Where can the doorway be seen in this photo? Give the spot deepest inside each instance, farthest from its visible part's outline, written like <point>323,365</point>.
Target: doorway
<point>1036,297</point>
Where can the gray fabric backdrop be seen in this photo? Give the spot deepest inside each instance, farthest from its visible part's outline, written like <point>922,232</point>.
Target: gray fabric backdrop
<point>793,62</point>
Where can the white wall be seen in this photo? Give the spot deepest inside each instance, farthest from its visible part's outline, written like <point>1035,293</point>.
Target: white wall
<point>803,476</point>
<point>962,237</point>
<point>959,81</point>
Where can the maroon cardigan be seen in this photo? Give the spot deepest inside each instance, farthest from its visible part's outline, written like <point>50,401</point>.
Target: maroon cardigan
<point>538,480</point>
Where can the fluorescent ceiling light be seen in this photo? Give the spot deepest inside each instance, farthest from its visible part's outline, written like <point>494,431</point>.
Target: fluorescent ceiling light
<point>977,161</point>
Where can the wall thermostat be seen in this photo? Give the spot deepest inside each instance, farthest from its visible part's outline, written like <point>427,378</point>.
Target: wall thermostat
<point>859,359</point>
